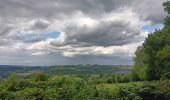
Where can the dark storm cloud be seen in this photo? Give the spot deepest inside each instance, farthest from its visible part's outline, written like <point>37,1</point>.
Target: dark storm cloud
<point>63,8</point>
<point>40,25</point>
<point>105,34</point>
<point>35,39</point>
<point>4,34</point>
<point>5,31</point>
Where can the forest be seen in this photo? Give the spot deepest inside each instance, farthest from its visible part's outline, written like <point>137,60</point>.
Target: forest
<point>148,79</point>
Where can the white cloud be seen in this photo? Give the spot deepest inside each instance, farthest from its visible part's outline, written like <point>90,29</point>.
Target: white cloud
<point>39,53</point>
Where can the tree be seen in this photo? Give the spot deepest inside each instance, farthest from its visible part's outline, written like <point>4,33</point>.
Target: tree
<point>38,76</point>
<point>154,53</point>
<point>139,70</point>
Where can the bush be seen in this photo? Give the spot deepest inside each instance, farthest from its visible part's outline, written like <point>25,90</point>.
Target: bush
<point>119,78</point>
<point>38,76</point>
<point>158,90</point>
<point>166,76</point>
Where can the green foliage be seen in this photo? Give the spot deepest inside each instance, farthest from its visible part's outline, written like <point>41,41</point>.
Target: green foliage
<point>167,6</point>
<point>128,93</point>
<point>119,78</point>
<point>139,68</point>
<point>165,76</point>
<point>38,76</point>
<point>153,57</point>
<point>163,59</point>
<point>155,90</point>
<point>155,47</point>
<point>139,73</point>
<point>64,87</point>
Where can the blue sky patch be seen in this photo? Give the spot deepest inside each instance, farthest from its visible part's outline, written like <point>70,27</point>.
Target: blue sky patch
<point>48,35</point>
<point>151,28</point>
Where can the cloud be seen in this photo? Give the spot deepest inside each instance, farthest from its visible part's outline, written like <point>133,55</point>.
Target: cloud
<point>5,31</point>
<point>3,41</point>
<point>104,31</point>
<point>150,10</point>
<point>35,39</point>
<point>40,25</point>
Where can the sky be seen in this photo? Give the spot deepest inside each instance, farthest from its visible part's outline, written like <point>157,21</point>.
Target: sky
<point>68,32</point>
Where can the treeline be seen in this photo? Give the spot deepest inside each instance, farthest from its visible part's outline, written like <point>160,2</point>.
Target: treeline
<point>5,70</point>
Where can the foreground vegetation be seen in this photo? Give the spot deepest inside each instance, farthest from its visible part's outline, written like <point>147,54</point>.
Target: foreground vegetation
<point>39,86</point>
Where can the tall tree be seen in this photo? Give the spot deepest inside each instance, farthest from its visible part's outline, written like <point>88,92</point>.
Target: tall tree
<point>156,50</point>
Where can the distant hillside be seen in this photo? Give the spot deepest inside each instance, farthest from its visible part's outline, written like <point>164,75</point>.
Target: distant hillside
<point>5,70</point>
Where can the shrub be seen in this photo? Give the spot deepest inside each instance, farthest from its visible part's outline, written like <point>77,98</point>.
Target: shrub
<point>166,76</point>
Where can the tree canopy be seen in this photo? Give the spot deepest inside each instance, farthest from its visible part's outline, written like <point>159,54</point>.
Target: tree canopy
<point>155,51</point>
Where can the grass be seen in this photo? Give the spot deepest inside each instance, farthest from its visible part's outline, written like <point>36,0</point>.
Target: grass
<point>115,86</point>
